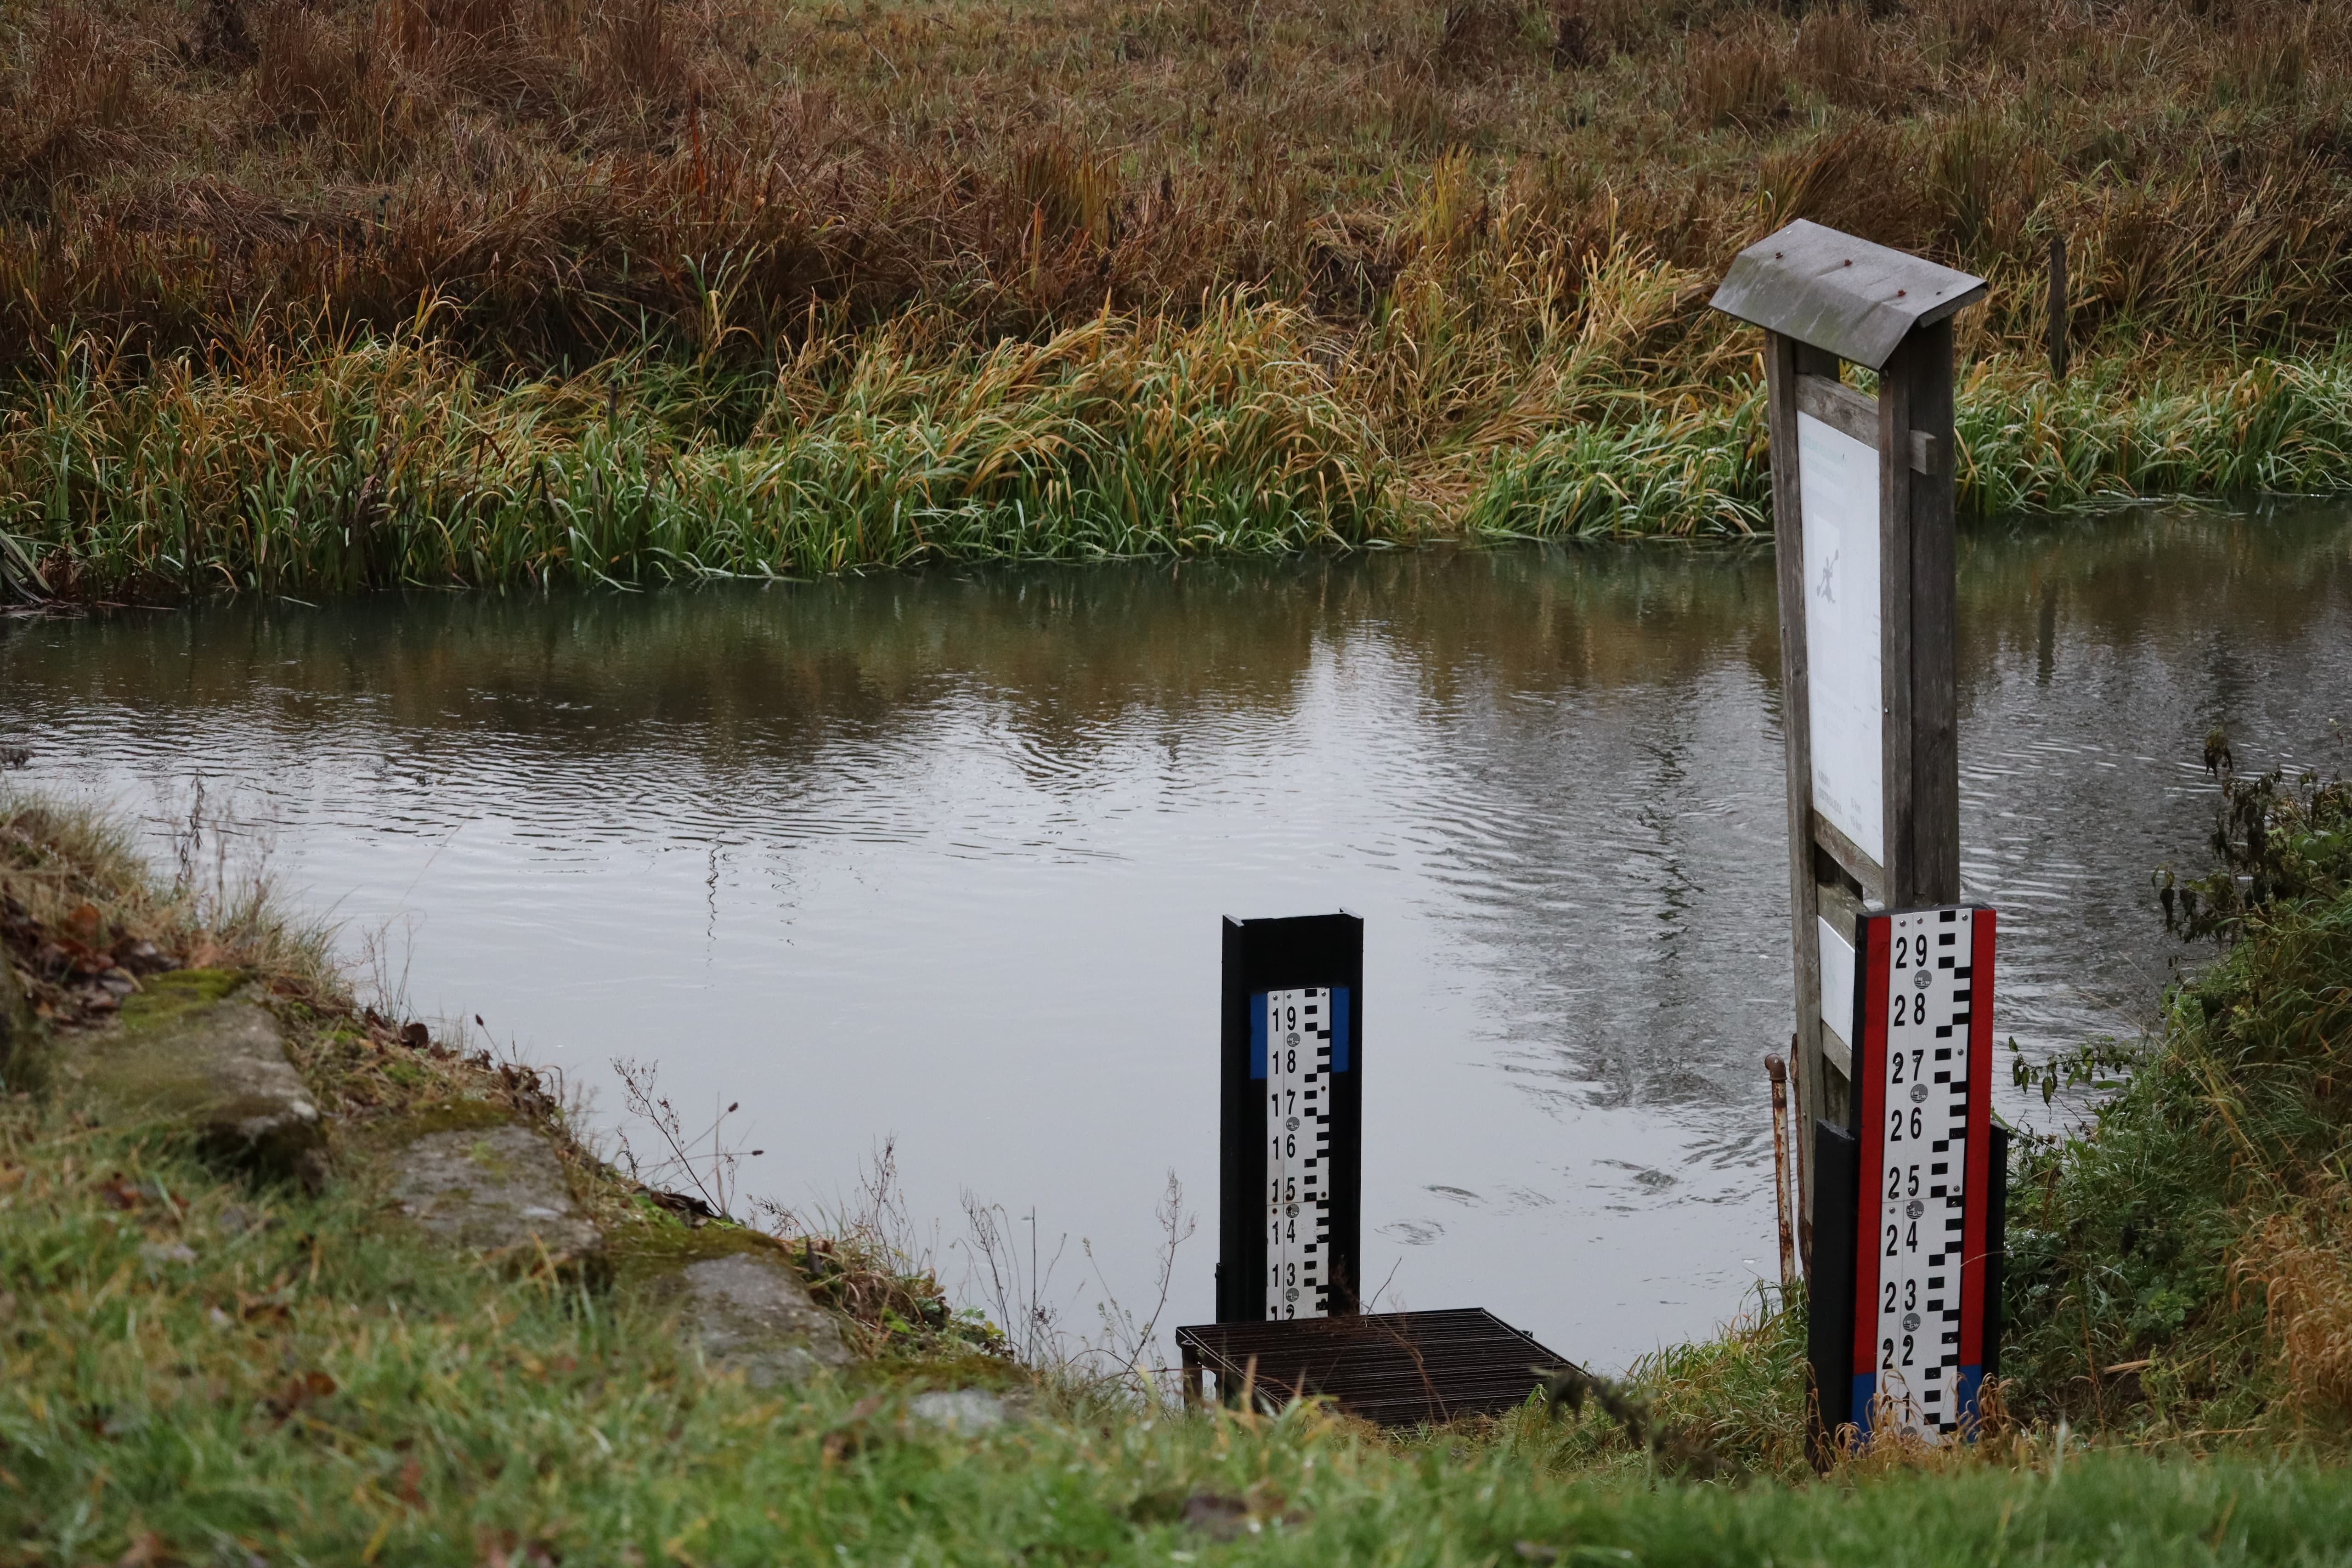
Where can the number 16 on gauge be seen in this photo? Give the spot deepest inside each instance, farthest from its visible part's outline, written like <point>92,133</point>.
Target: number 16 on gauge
<point>1925,1247</point>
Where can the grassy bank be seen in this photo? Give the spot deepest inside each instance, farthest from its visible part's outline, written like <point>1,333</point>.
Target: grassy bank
<point>2182,1267</point>
<point>202,1368</point>
<point>305,1390</point>
<point>792,288</point>
<point>397,463</point>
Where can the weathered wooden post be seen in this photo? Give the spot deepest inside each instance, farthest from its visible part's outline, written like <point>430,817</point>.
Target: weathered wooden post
<point>1777,1071</point>
<point>1863,517</point>
<point>2061,317</point>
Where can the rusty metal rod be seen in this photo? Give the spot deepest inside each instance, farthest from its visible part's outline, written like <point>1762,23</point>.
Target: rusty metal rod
<point>1777,1071</point>
<point>1800,1125</point>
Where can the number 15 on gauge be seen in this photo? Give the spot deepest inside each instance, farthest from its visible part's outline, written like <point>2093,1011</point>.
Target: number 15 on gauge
<point>1923,1074</point>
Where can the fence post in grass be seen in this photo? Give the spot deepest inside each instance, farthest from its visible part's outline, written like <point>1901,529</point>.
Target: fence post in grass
<point>1863,518</point>
<point>1777,1071</point>
<point>2061,321</point>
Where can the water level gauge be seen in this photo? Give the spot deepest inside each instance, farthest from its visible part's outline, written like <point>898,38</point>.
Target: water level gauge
<point>1923,1167</point>
<point>1290,1039</point>
<point>1291,1193</point>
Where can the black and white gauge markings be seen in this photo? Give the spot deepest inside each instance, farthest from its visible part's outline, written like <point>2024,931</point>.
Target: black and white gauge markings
<point>1920,1247</point>
<point>1297,1026</point>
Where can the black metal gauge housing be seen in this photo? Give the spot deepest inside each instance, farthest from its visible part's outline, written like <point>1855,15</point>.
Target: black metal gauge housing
<point>1290,1194</point>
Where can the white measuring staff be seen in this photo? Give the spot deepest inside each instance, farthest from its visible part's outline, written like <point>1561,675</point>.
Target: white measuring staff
<point>1297,1151</point>
<point>1922,1196</point>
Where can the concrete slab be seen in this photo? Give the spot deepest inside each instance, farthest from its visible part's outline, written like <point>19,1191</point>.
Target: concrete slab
<point>205,1058</point>
<point>490,1189</point>
<point>751,1314</point>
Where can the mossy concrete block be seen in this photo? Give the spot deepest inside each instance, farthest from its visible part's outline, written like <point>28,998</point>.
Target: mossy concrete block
<point>198,1056</point>
<point>493,1189</point>
<point>173,997</point>
<point>751,1314</point>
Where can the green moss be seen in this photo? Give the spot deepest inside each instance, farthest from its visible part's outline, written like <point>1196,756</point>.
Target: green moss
<point>651,1247</point>
<point>445,1116</point>
<point>155,1066</point>
<point>972,1371</point>
<point>167,998</point>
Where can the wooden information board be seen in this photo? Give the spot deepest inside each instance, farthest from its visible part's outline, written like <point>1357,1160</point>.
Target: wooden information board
<point>1862,524</point>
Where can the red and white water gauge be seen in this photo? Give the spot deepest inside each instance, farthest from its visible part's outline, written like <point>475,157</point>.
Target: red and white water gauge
<point>1923,1169</point>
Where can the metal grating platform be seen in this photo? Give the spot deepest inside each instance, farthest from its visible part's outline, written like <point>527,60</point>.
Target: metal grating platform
<point>1397,1369</point>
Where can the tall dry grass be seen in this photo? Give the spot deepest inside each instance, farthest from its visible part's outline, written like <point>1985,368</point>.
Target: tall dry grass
<point>2303,1261</point>
<point>1460,252</point>
<point>570,173</point>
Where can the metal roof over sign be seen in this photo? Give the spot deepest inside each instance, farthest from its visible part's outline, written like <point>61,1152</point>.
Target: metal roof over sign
<point>1841,294</point>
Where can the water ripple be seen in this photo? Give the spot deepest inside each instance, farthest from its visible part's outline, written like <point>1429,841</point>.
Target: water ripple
<point>944,857</point>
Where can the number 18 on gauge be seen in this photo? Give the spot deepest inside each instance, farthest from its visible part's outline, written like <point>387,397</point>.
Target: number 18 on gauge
<point>1289,1197</point>
<point>1929,1182</point>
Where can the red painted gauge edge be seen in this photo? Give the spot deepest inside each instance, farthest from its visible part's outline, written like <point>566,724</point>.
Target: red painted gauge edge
<point>1869,1081</point>
<point>1978,1189</point>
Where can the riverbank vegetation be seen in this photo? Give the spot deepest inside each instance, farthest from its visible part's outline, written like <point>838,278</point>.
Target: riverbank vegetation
<point>310,296</point>
<point>2181,1267</point>
<point>201,1366</point>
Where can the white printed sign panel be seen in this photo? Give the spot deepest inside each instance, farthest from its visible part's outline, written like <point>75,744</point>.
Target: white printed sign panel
<point>1838,477</point>
<point>1837,982</point>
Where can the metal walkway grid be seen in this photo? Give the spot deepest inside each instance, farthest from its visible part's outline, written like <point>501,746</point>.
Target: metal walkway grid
<point>1396,1369</point>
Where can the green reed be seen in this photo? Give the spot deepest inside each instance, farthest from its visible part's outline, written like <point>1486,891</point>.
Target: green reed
<point>391,463</point>
<point>2268,426</point>
<point>386,462</point>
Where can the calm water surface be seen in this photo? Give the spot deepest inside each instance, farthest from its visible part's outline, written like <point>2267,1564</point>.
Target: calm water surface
<point>941,858</point>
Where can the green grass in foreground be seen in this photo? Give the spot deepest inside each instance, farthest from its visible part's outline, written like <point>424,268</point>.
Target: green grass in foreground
<point>394,462</point>
<point>307,1388</point>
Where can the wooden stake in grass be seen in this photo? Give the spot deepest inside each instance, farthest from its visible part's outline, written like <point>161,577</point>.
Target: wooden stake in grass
<point>2060,324</point>
<point>1777,1071</point>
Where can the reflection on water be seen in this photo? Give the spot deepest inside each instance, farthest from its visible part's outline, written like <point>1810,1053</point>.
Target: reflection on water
<point>942,856</point>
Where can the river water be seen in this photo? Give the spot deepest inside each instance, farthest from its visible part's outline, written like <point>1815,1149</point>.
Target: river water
<point>940,858</point>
